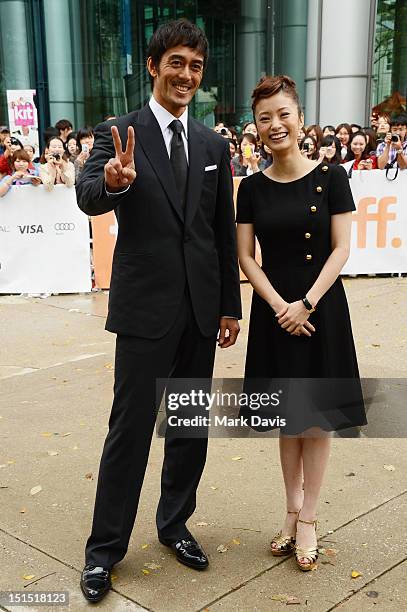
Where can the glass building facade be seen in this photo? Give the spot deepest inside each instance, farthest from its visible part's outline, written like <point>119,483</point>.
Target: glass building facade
<point>86,58</point>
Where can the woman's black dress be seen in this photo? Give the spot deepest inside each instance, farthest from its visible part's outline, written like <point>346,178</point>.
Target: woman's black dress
<point>318,375</point>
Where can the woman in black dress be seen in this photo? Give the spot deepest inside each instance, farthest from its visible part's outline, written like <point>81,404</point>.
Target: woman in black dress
<point>300,211</point>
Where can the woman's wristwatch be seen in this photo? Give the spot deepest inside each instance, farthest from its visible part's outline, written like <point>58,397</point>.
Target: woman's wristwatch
<point>308,305</point>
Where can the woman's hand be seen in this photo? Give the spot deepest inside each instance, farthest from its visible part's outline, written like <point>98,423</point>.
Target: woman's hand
<point>294,319</point>
<point>254,161</point>
<point>18,175</point>
<point>35,180</point>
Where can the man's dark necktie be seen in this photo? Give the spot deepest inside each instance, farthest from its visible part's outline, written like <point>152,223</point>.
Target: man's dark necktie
<point>178,159</point>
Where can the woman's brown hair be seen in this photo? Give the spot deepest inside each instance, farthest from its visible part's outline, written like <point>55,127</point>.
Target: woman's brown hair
<point>20,154</point>
<point>271,85</point>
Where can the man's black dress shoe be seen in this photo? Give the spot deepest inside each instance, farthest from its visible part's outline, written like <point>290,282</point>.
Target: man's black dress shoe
<point>95,582</point>
<point>189,552</point>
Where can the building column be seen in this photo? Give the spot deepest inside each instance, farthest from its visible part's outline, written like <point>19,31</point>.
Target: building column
<point>250,53</point>
<point>337,61</point>
<point>291,41</point>
<point>14,53</point>
<point>64,61</point>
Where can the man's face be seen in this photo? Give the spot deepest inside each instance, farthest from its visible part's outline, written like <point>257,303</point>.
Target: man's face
<point>400,130</point>
<point>177,78</point>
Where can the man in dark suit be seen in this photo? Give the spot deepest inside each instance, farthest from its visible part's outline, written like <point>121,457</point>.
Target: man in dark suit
<point>174,287</point>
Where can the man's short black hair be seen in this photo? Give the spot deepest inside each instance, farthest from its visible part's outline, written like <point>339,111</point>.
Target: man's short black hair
<point>399,119</point>
<point>175,33</point>
<point>63,124</point>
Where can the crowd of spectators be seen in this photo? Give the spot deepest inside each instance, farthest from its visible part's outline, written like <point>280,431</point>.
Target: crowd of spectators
<point>381,145</point>
<point>61,161</point>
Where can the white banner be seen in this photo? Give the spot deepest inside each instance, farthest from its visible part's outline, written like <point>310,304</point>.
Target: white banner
<point>22,115</point>
<point>44,241</point>
<point>379,227</point>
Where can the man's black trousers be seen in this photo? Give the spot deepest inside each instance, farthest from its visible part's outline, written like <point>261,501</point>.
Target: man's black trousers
<point>181,354</point>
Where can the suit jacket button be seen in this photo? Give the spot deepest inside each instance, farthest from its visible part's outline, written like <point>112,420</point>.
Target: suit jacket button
<point>324,168</point>
<point>308,257</point>
<point>319,188</point>
<point>307,235</point>
<point>313,209</point>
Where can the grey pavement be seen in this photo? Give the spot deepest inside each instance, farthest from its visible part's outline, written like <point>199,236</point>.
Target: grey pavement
<point>56,376</point>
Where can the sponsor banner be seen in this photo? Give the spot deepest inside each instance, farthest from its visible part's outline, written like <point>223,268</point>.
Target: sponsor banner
<point>379,228</point>
<point>44,242</point>
<point>22,114</point>
<point>379,225</point>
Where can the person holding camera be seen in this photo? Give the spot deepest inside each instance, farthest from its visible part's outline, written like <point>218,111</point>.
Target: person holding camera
<point>359,157</point>
<point>24,172</point>
<point>55,169</point>
<point>11,145</point>
<point>393,150</point>
<point>309,147</point>
<point>84,141</point>
<point>249,160</point>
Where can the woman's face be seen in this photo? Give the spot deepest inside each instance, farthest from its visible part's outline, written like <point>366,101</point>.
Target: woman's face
<point>313,134</point>
<point>88,140</point>
<point>72,146</point>
<point>232,148</point>
<point>56,146</point>
<point>358,145</point>
<point>15,147</point>
<point>383,126</point>
<point>328,132</point>
<point>343,136</point>
<point>330,151</point>
<point>7,142</point>
<point>278,122</point>
<point>311,146</point>
<point>251,129</point>
<point>21,165</point>
<point>30,151</point>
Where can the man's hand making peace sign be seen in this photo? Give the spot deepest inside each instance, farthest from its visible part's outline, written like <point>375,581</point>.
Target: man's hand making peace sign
<point>120,171</point>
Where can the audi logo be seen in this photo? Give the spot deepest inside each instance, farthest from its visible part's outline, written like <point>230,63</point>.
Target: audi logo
<point>59,227</point>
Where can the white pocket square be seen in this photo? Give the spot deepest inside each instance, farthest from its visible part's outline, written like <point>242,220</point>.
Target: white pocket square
<point>208,168</point>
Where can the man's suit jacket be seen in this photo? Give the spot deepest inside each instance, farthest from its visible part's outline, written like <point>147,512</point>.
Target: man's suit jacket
<point>160,247</point>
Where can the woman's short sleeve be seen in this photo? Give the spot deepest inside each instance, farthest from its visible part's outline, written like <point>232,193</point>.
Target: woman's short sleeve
<point>244,202</point>
<point>340,198</point>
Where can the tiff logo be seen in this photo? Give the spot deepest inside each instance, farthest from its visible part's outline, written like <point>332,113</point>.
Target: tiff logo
<point>381,215</point>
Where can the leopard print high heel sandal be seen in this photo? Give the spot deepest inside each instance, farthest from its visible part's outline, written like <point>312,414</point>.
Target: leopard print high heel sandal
<point>310,553</point>
<point>284,545</point>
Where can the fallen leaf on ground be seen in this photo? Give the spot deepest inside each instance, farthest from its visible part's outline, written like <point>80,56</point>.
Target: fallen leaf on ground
<point>236,541</point>
<point>351,474</point>
<point>214,488</point>
<point>89,476</point>
<point>202,524</point>
<point>113,576</point>
<point>355,574</point>
<point>279,597</point>
<point>145,546</point>
<point>66,434</point>
<point>46,434</point>
<point>236,458</point>
<point>329,552</point>
<point>292,600</point>
<point>372,594</point>
<point>389,468</point>
<point>222,548</point>
<point>145,572</point>
<point>375,345</point>
<point>52,453</point>
<point>36,490</point>
<point>29,576</point>
<point>10,462</point>
<point>23,510</point>
<point>152,566</point>
<point>109,366</point>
